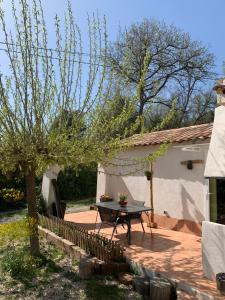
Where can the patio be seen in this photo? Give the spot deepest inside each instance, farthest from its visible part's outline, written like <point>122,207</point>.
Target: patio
<point>174,254</point>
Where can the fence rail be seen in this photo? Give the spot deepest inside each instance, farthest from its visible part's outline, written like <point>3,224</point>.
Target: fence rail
<point>94,244</point>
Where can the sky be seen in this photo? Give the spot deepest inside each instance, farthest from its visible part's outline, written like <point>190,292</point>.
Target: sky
<point>203,19</point>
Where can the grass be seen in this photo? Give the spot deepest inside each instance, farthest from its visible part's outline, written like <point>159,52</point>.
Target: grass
<point>101,290</point>
<point>54,275</point>
<point>79,205</point>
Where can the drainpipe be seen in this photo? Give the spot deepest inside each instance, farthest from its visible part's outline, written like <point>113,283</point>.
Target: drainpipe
<point>152,223</point>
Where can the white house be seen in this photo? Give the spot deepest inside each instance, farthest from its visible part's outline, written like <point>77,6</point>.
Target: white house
<point>188,180</point>
<point>181,195</point>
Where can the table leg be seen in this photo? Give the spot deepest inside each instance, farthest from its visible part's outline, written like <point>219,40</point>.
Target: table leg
<point>129,230</point>
<point>96,220</point>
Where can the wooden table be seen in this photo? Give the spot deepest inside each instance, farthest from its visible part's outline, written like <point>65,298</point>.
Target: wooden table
<point>130,210</point>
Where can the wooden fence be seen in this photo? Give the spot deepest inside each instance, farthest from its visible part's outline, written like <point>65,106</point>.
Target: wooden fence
<point>94,244</point>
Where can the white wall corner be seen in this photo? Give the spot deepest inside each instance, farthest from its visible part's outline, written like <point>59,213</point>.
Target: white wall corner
<point>101,183</point>
<point>213,249</point>
<point>48,192</point>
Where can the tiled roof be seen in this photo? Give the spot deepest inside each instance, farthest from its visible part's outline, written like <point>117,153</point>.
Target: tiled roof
<point>178,135</point>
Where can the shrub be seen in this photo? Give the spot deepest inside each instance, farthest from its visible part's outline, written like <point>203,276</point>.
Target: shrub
<point>77,184</point>
<point>12,180</point>
<point>16,258</point>
<point>105,198</point>
<point>11,198</point>
<point>16,231</point>
<point>12,189</point>
<point>17,261</point>
<point>42,206</point>
<point>11,195</point>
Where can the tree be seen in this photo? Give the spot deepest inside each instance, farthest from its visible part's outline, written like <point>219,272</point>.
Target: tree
<point>174,63</point>
<point>42,87</point>
<point>197,108</point>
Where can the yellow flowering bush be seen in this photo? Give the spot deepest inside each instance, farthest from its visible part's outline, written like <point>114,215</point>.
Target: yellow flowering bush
<point>16,231</point>
<point>11,195</point>
<point>15,257</point>
<point>105,198</point>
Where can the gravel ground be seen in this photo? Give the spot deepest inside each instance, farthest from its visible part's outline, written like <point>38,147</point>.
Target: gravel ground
<point>72,206</point>
<point>12,216</point>
<point>60,280</point>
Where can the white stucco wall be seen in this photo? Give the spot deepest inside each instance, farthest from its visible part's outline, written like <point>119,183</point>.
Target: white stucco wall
<point>182,193</point>
<point>102,184</point>
<point>47,187</point>
<point>215,164</point>
<point>213,249</point>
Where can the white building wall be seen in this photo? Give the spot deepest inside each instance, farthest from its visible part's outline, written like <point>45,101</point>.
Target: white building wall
<point>102,183</point>
<point>215,165</point>
<point>48,191</point>
<point>213,248</point>
<point>178,192</point>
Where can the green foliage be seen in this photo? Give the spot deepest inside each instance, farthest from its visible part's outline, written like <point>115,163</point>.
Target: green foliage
<point>122,197</point>
<point>12,180</point>
<point>13,231</point>
<point>161,63</point>
<point>12,191</point>
<point>42,207</point>
<point>44,108</point>
<point>18,262</point>
<point>11,198</point>
<point>98,290</point>
<point>55,253</point>
<point>79,184</point>
<point>16,231</point>
<point>11,195</point>
<point>148,174</point>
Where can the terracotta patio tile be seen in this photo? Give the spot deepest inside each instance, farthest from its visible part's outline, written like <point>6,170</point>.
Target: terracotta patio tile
<point>173,253</point>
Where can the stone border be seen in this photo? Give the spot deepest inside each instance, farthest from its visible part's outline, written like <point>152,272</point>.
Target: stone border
<point>88,265</point>
<point>73,251</point>
<point>150,273</point>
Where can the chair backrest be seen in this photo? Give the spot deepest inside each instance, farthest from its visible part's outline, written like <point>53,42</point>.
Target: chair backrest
<point>136,202</point>
<point>106,215</point>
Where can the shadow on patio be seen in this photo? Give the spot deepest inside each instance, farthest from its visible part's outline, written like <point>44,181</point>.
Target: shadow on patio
<point>174,254</point>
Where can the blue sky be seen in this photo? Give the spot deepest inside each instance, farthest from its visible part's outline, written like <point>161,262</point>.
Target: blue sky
<point>203,19</point>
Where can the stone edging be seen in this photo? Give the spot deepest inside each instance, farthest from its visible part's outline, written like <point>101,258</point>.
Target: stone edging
<point>88,265</point>
<point>150,273</point>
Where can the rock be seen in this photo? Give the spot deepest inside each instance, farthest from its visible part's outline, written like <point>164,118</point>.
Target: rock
<point>126,278</point>
<point>86,267</point>
<point>160,289</point>
<point>141,285</point>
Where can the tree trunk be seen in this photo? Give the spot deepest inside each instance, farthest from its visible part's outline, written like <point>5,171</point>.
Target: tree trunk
<point>32,209</point>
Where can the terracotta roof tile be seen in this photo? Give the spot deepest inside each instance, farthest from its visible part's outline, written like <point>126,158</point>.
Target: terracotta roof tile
<point>178,135</point>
